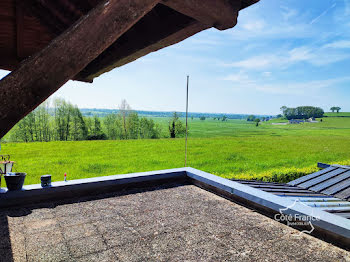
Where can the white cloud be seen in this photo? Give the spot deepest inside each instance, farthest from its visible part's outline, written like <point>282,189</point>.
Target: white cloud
<point>347,7</point>
<point>267,74</point>
<point>286,58</point>
<point>255,25</point>
<point>288,13</point>
<point>338,44</point>
<point>284,88</point>
<point>257,62</point>
<point>240,77</point>
<point>300,54</point>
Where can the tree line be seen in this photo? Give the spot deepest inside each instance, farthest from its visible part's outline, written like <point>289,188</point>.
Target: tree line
<point>62,121</point>
<point>302,112</point>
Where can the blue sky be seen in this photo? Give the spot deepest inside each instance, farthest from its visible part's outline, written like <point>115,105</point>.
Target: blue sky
<point>289,52</point>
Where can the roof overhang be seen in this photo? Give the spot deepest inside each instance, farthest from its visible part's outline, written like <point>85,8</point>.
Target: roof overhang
<point>27,27</point>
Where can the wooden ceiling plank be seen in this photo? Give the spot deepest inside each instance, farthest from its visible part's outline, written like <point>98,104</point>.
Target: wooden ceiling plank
<point>221,14</point>
<point>45,72</point>
<point>20,31</point>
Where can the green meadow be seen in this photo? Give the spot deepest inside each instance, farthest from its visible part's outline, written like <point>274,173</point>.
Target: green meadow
<point>232,149</point>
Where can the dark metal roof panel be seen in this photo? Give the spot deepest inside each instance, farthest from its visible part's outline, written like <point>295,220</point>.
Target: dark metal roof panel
<point>311,176</point>
<point>309,198</point>
<point>345,194</point>
<point>322,178</point>
<point>338,187</point>
<point>334,182</point>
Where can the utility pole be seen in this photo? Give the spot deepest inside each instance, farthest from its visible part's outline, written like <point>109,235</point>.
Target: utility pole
<point>188,79</point>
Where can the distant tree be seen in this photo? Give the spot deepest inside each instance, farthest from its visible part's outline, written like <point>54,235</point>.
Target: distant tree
<point>224,118</point>
<point>202,118</point>
<point>251,118</point>
<point>214,118</point>
<point>97,133</point>
<point>133,126</point>
<point>112,126</point>
<point>148,129</point>
<point>191,117</point>
<point>283,109</point>
<point>124,111</point>
<point>303,112</point>
<point>79,130</point>
<point>279,116</point>
<point>335,108</point>
<point>219,118</point>
<point>257,121</point>
<point>176,127</point>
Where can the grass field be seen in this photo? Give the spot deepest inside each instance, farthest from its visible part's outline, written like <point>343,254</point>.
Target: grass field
<point>340,114</point>
<point>230,149</point>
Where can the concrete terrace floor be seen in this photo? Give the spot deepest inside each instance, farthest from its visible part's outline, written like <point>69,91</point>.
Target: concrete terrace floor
<point>168,223</point>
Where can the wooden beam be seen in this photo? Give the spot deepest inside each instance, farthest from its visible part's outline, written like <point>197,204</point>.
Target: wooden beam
<point>159,28</point>
<point>44,73</point>
<point>19,30</point>
<point>221,14</point>
<point>172,39</point>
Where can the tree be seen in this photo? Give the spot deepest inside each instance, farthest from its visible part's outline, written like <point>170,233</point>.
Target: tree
<point>132,126</point>
<point>251,118</point>
<point>111,124</point>
<point>148,129</point>
<point>176,127</point>
<point>283,109</point>
<point>257,121</point>
<point>96,131</point>
<point>124,111</point>
<point>335,108</point>
<point>202,118</point>
<point>224,118</point>
<point>62,119</point>
<point>79,130</point>
<point>303,112</point>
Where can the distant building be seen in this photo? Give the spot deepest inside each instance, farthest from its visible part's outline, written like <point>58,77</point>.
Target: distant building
<point>312,120</point>
<point>296,121</point>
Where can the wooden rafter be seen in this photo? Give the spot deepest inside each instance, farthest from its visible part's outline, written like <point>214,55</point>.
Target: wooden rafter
<point>44,73</point>
<point>150,34</point>
<point>221,14</point>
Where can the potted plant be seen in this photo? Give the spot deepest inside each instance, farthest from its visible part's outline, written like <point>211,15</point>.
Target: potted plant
<point>14,181</point>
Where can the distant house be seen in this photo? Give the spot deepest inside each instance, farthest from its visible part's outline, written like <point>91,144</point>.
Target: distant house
<point>312,120</point>
<point>296,121</point>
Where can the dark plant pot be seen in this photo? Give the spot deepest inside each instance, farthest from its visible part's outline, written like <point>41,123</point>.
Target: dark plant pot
<point>15,181</point>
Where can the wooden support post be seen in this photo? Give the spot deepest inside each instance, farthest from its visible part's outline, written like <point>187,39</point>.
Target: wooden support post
<point>41,75</point>
<point>221,14</point>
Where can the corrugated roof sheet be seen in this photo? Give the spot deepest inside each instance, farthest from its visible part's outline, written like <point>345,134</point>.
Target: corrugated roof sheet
<point>333,181</point>
<point>316,199</point>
